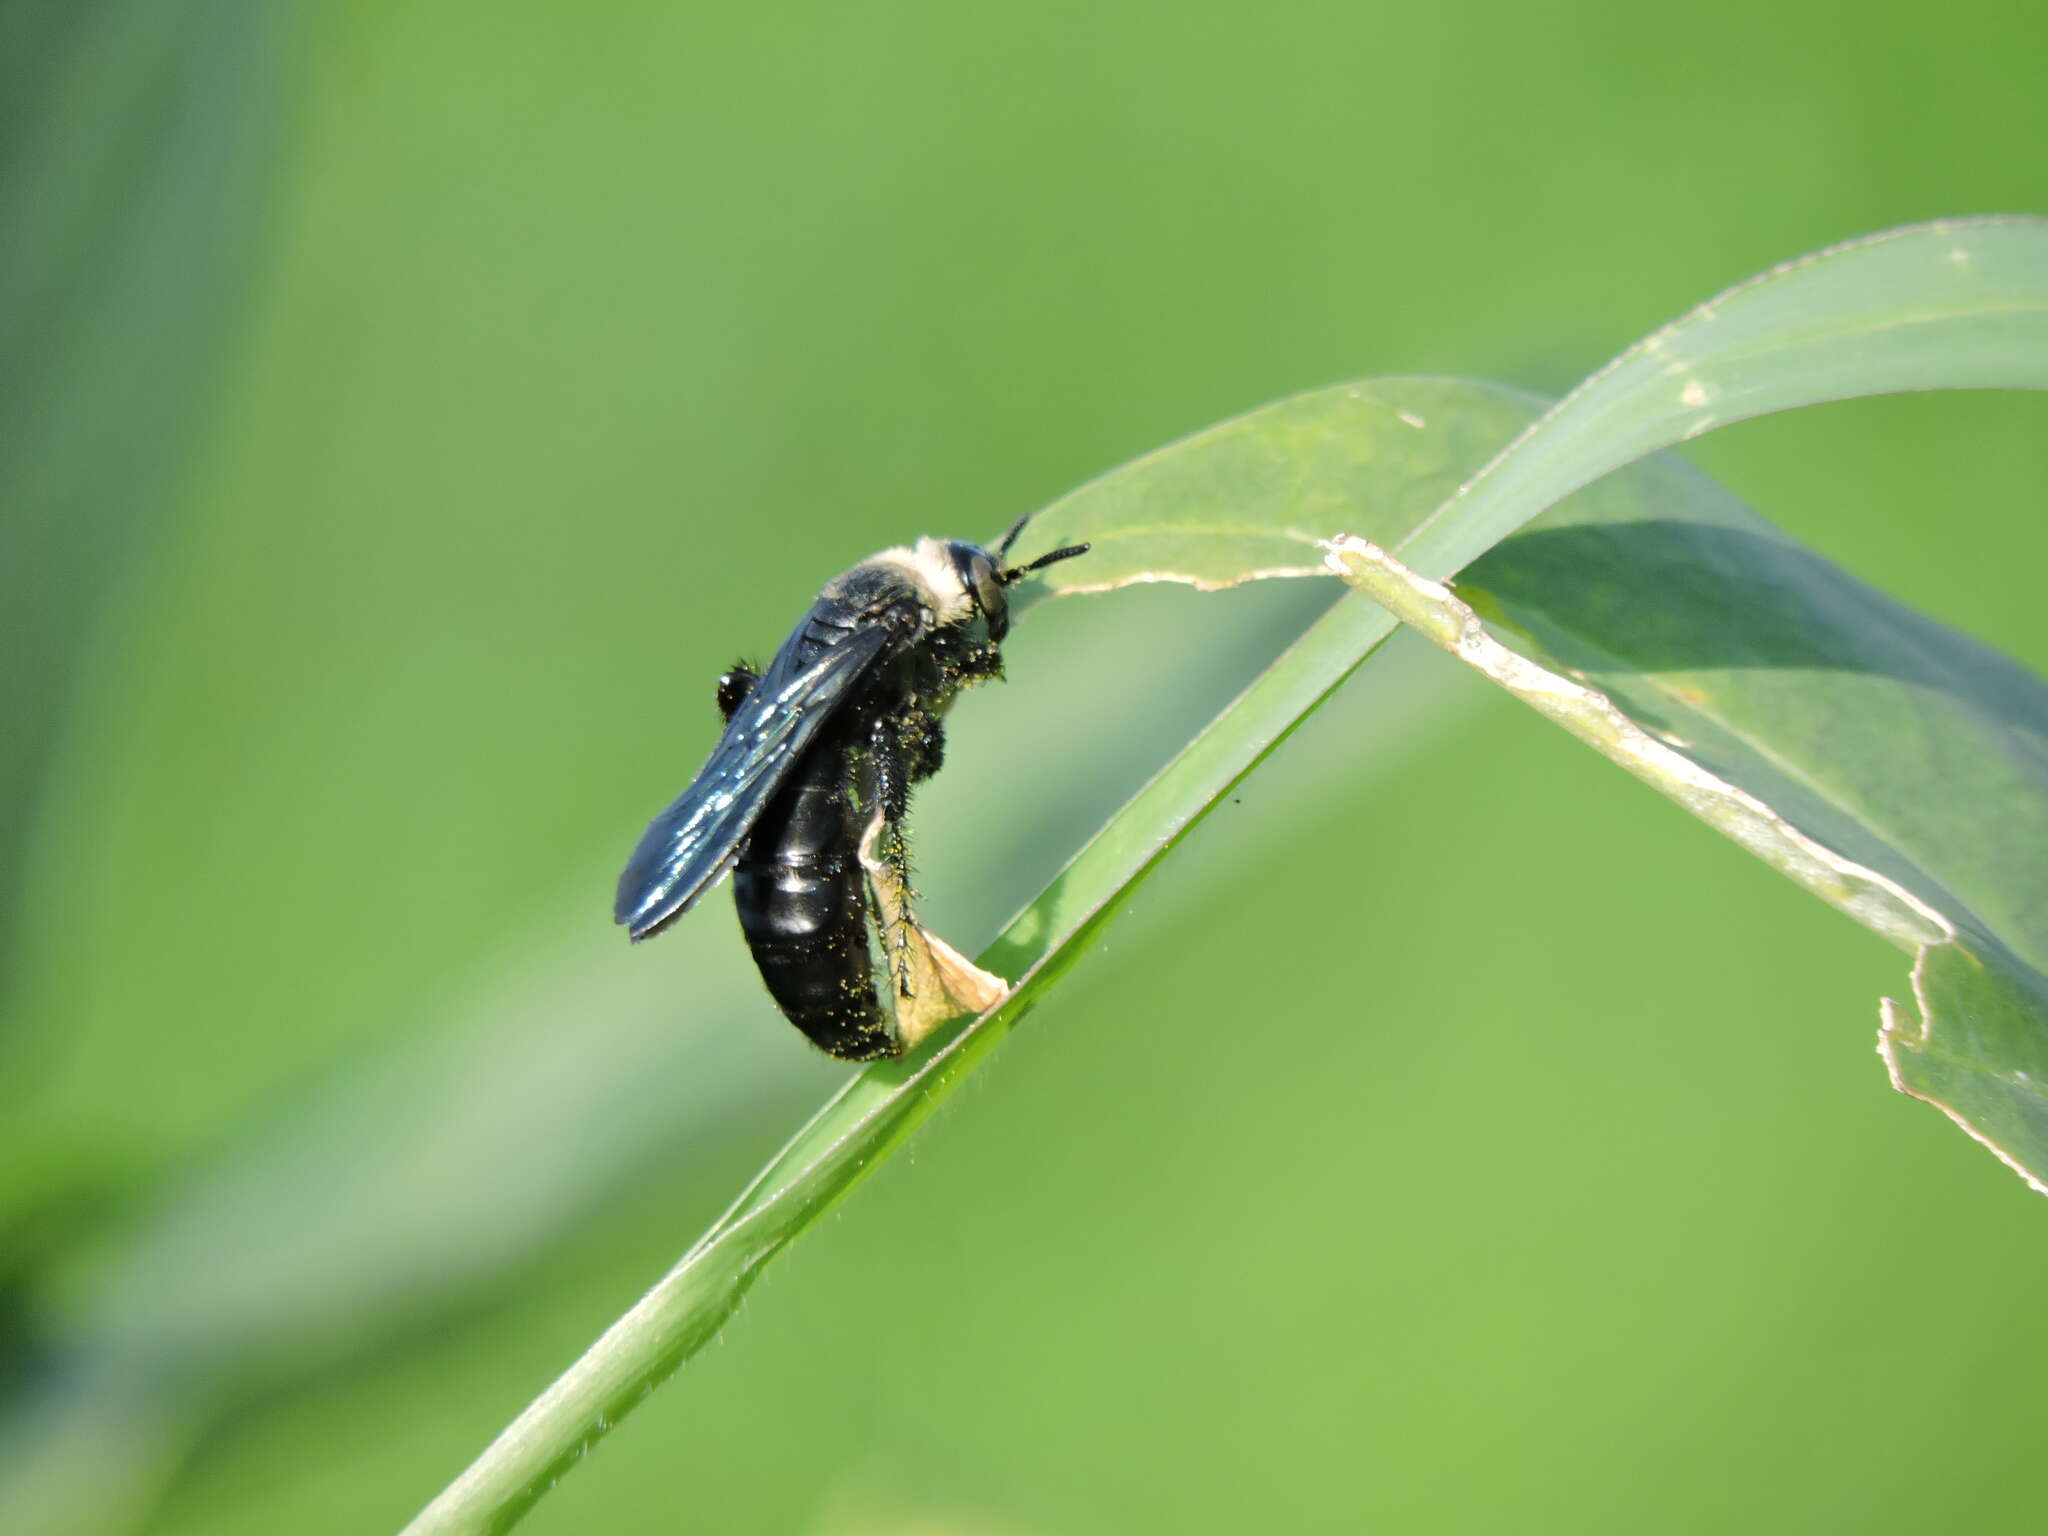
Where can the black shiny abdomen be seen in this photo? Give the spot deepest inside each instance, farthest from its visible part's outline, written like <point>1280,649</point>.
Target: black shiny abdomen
<point>802,900</point>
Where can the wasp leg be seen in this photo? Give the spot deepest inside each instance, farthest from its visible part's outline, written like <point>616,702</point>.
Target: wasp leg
<point>904,748</point>
<point>979,664</point>
<point>921,739</point>
<point>963,662</point>
<point>734,687</point>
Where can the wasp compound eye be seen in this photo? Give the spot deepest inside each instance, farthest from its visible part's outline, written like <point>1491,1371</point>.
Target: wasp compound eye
<point>981,584</point>
<point>986,582</point>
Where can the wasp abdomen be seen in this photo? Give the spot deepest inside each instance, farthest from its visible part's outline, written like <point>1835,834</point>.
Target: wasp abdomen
<point>802,900</point>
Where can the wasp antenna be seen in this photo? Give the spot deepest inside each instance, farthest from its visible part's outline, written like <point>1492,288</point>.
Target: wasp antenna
<point>1011,537</point>
<point>1068,553</point>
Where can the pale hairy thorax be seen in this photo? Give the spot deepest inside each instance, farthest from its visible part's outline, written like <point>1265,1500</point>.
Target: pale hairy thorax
<point>928,566</point>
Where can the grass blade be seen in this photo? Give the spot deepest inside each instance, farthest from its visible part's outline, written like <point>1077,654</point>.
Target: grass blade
<point>1956,305</point>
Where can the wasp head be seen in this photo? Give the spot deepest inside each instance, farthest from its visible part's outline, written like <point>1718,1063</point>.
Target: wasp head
<point>984,577</point>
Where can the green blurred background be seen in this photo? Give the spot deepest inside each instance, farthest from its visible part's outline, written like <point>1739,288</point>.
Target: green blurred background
<point>405,411</point>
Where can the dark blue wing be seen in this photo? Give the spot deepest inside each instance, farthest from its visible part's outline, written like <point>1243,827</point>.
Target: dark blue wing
<point>690,845</point>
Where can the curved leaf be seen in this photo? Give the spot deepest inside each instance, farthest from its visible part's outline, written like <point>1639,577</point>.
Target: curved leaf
<point>1904,746</point>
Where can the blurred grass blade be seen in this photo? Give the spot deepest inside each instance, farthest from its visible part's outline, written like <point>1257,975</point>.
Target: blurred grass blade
<point>1958,305</point>
<point>138,145</point>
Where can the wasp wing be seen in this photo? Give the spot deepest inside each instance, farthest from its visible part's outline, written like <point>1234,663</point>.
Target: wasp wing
<point>690,845</point>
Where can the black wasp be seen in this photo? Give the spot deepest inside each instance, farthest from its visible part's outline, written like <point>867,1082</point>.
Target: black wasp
<point>805,795</point>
